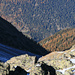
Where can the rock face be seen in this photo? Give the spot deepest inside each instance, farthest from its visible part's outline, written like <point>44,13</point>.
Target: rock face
<point>4,68</point>
<point>24,61</point>
<point>55,63</point>
<point>29,64</point>
<point>42,69</point>
<point>63,62</point>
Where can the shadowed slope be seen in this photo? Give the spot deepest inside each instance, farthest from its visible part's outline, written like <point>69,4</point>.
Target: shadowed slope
<point>10,36</point>
<point>39,18</point>
<point>8,52</point>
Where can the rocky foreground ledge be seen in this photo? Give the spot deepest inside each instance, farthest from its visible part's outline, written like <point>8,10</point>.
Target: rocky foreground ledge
<point>55,63</point>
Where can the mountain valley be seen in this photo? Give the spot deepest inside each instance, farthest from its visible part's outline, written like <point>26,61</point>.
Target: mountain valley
<point>18,53</point>
<point>38,19</point>
<point>37,37</point>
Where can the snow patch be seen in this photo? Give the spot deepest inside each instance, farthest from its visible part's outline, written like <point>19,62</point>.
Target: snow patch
<point>72,60</point>
<point>63,71</point>
<point>69,58</point>
<point>72,50</point>
<point>28,70</point>
<point>15,66</point>
<point>60,52</point>
<point>38,65</point>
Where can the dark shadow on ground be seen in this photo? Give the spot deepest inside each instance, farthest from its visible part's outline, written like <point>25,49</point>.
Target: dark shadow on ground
<point>10,36</point>
<point>49,70</point>
<point>18,71</point>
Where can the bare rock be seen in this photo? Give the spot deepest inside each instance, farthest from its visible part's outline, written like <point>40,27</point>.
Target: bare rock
<point>4,68</point>
<point>24,61</point>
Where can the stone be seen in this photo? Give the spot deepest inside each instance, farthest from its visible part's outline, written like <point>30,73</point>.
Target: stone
<point>4,68</point>
<point>42,69</point>
<point>18,71</point>
<point>24,61</point>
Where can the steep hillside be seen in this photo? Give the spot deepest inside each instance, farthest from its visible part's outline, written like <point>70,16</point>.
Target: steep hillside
<point>39,18</point>
<point>62,61</point>
<point>10,36</point>
<point>60,41</point>
<point>55,63</point>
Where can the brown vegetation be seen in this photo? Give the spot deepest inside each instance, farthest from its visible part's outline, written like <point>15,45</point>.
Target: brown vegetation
<point>60,41</point>
<point>38,18</point>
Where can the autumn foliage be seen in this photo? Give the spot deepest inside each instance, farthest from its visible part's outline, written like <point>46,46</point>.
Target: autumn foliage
<point>39,18</point>
<point>60,41</point>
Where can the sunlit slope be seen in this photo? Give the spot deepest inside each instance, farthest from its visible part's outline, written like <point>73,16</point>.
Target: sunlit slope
<point>60,41</point>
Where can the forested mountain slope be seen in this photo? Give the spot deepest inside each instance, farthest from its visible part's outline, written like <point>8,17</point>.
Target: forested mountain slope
<point>10,36</point>
<point>60,41</point>
<point>39,18</point>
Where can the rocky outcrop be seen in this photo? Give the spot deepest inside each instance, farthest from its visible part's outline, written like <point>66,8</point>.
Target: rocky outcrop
<point>55,63</point>
<point>42,69</point>
<point>30,65</point>
<point>4,68</point>
<point>63,62</point>
<point>24,61</point>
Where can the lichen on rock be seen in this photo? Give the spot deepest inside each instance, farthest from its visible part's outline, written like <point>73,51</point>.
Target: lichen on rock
<point>24,61</point>
<point>4,68</point>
